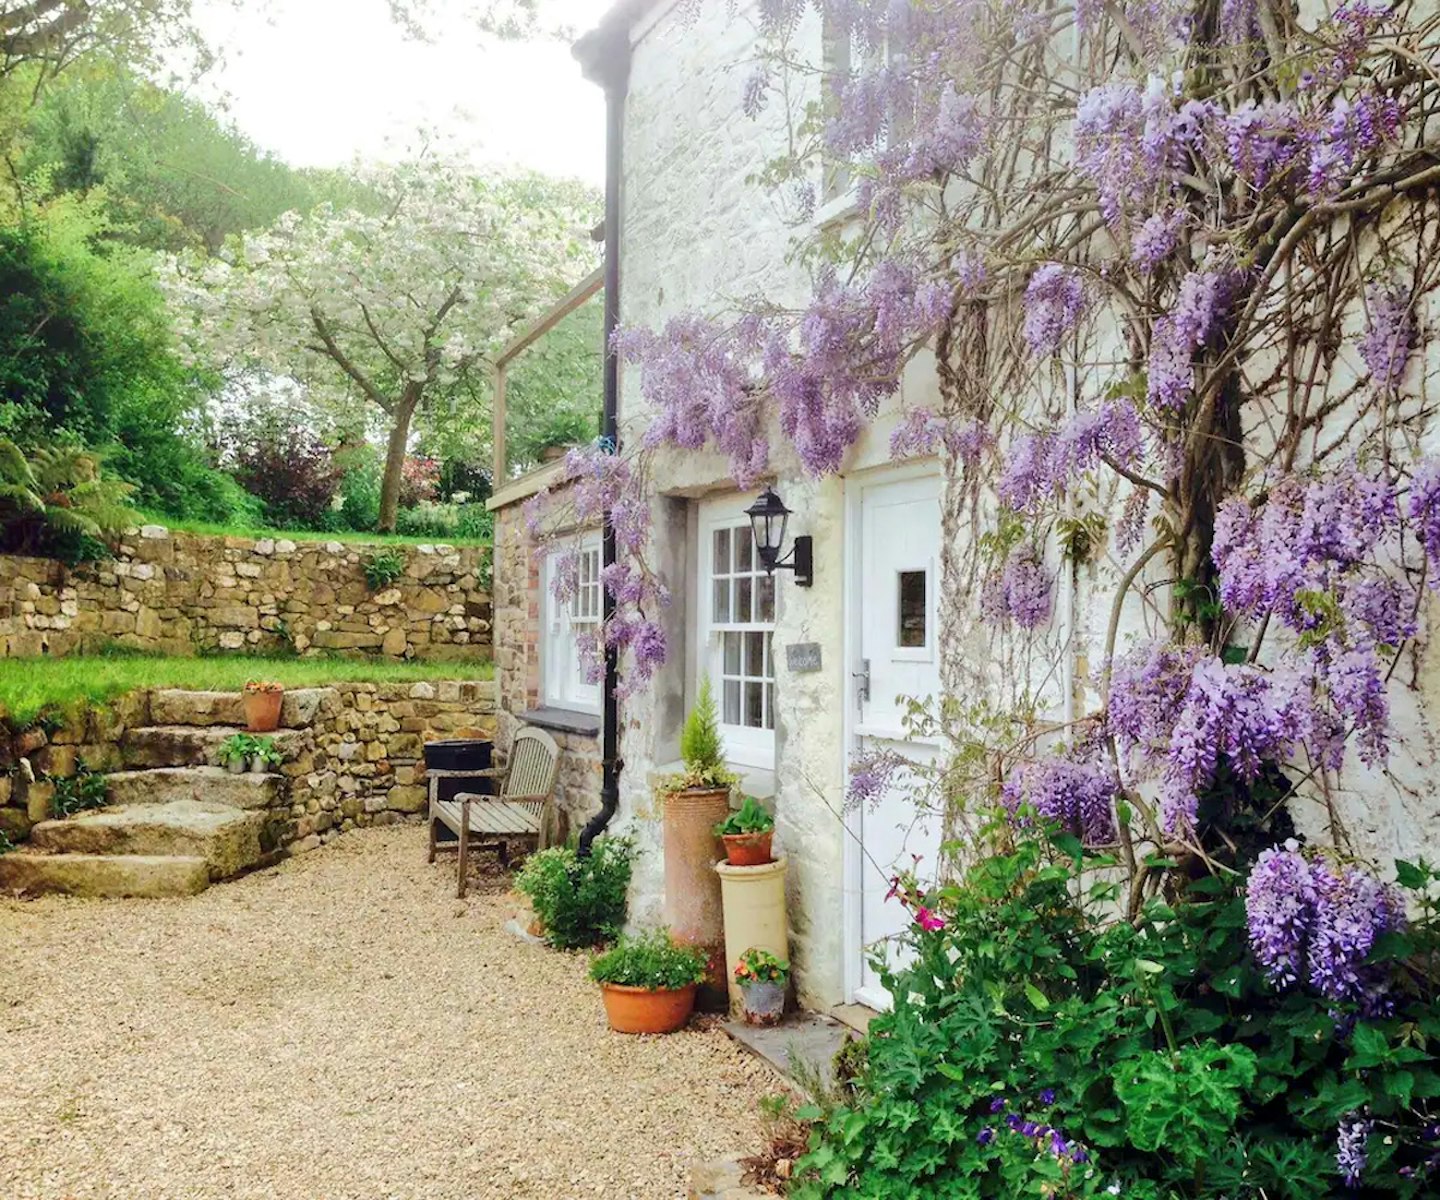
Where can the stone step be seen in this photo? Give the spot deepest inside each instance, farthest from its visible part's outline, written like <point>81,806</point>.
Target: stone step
<point>162,785</point>
<point>194,745</point>
<point>102,876</point>
<point>228,839</point>
<point>176,706</point>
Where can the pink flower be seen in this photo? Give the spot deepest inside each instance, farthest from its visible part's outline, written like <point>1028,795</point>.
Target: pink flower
<point>928,921</point>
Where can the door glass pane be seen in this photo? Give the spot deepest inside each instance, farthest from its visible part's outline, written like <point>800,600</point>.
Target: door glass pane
<point>755,704</point>
<point>721,602</point>
<point>732,702</point>
<point>913,610</point>
<point>742,600</point>
<point>732,652</point>
<point>721,565</point>
<point>765,599</point>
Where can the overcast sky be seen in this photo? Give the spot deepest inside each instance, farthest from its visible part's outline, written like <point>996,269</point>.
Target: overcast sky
<point>319,82</point>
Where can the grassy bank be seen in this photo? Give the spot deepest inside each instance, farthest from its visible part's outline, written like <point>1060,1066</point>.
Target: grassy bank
<point>31,687</point>
<point>175,525</point>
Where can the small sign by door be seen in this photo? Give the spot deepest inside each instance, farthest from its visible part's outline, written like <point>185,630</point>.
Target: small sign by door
<point>803,658</point>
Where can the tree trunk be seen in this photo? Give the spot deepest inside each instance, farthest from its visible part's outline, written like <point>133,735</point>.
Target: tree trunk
<point>395,459</point>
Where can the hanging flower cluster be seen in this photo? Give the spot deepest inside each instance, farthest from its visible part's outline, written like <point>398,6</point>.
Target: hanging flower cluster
<point>1315,922</point>
<point>1078,795</point>
<point>1020,592</point>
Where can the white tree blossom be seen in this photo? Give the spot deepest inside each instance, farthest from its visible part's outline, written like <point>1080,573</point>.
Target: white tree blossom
<point>389,311</point>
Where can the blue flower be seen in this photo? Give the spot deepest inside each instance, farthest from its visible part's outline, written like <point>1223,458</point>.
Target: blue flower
<point>985,1136</point>
<point>1047,1097</point>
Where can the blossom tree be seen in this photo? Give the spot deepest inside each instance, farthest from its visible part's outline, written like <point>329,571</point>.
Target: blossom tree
<point>392,314</point>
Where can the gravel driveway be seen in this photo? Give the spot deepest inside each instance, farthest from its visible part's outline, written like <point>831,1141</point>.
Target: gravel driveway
<point>337,1028</point>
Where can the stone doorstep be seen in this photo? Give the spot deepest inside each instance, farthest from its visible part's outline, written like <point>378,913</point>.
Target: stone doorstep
<point>190,745</point>
<point>721,1179</point>
<point>804,1036</point>
<point>227,839</point>
<point>162,785</point>
<point>142,876</point>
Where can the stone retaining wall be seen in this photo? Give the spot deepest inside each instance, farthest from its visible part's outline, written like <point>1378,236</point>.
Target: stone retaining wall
<point>355,761</point>
<point>185,593</point>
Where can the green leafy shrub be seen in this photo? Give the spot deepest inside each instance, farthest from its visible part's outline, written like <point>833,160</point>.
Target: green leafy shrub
<point>702,747</point>
<point>54,502</point>
<point>236,748</point>
<point>1038,1046</point>
<point>750,817</point>
<point>580,901</point>
<point>442,522</point>
<point>650,960</point>
<point>360,479</point>
<point>384,568</point>
<point>760,966</point>
<point>81,792</point>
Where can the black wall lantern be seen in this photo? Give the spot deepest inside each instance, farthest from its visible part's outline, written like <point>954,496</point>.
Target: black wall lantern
<point>768,518</point>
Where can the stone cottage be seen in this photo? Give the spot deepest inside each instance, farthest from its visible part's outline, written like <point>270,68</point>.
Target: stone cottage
<point>807,676</point>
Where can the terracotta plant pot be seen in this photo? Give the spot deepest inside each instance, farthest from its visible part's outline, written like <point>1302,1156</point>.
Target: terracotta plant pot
<point>641,1010</point>
<point>762,1003</point>
<point>692,890</point>
<point>262,711</point>
<point>748,849</point>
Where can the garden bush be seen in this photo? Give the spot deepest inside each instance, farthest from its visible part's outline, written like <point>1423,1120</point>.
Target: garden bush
<point>1039,1045</point>
<point>292,471</point>
<point>473,522</point>
<point>581,901</point>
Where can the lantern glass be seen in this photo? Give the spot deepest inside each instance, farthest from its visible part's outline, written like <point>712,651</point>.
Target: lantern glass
<point>768,519</point>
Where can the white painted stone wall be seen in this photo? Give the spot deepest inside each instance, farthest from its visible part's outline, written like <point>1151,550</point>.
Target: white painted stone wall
<point>697,235</point>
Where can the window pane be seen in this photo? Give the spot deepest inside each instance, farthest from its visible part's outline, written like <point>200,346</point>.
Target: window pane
<point>722,602</point>
<point>721,564</point>
<point>913,609</point>
<point>754,654</point>
<point>755,705</point>
<point>744,546</point>
<point>765,599</point>
<point>731,643</point>
<point>742,599</point>
<point>732,703</point>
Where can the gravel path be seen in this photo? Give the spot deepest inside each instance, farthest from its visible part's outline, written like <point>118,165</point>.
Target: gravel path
<point>337,1028</point>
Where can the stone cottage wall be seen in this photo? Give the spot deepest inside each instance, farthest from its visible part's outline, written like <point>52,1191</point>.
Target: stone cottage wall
<point>355,759</point>
<point>184,593</point>
<point>517,588</point>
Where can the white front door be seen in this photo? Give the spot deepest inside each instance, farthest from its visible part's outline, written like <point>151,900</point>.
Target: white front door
<point>897,564</point>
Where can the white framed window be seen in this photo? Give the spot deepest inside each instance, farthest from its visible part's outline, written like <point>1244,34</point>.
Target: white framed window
<point>737,625</point>
<point>566,623</point>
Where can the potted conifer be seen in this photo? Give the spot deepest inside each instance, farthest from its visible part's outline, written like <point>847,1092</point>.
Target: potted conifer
<point>696,799</point>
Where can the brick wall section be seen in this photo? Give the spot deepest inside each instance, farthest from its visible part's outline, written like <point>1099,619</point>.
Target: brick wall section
<point>184,593</point>
<point>358,762</point>
<point>517,591</point>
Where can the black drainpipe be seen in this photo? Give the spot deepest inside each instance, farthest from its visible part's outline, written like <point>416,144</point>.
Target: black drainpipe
<point>609,64</point>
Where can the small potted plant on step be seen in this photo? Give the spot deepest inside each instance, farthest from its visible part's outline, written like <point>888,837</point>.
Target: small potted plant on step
<point>648,982</point>
<point>262,700</point>
<point>235,751</point>
<point>264,755</point>
<point>762,978</point>
<point>747,834</point>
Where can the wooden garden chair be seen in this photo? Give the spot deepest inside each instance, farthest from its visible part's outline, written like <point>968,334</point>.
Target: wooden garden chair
<point>522,808</point>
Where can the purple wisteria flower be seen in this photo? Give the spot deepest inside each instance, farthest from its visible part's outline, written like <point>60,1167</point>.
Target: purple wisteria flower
<point>1317,922</point>
<point>1156,239</point>
<point>1390,335</point>
<point>1055,301</point>
<point>871,776</point>
<point>1077,795</point>
<point>1205,297</point>
<point>1042,465</point>
<point>1020,593</point>
<point>1351,1136</point>
<point>1424,509</point>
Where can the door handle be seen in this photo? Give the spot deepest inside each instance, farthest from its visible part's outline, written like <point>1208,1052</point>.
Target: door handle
<point>862,681</point>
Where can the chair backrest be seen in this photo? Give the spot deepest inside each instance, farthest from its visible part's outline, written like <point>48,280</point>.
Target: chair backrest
<point>534,759</point>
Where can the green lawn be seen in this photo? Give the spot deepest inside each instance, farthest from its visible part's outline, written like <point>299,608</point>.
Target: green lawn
<point>176,525</point>
<point>32,686</point>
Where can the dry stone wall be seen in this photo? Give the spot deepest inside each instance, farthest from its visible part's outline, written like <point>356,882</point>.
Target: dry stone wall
<point>353,751</point>
<point>184,593</point>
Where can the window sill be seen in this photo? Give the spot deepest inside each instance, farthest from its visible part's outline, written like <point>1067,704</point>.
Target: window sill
<point>562,720</point>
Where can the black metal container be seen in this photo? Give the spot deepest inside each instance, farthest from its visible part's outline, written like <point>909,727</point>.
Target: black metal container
<point>460,754</point>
